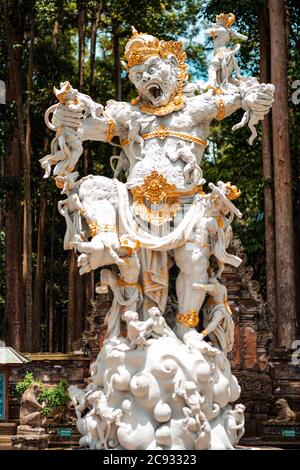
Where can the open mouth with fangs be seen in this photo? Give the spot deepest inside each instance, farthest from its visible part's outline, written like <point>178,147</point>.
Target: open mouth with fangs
<point>155,92</point>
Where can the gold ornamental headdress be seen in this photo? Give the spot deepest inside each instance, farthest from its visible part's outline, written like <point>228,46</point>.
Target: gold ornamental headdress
<point>141,46</point>
<point>225,20</point>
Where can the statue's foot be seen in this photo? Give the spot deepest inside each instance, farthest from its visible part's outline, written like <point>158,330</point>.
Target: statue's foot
<point>194,340</point>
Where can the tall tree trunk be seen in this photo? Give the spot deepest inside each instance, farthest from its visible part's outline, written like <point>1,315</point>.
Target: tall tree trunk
<point>117,62</point>
<point>263,25</point>
<point>50,293</point>
<point>32,330</point>
<point>38,284</point>
<point>81,44</point>
<point>95,25</point>
<point>14,313</point>
<point>285,282</point>
<point>75,281</point>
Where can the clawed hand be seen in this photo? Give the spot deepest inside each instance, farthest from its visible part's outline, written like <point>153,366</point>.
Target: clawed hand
<point>100,251</point>
<point>260,101</point>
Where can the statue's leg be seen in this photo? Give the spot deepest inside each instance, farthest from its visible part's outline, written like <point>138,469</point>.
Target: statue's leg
<point>33,419</point>
<point>193,262</point>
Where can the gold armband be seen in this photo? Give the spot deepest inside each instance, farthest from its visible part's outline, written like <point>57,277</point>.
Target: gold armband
<point>111,126</point>
<point>204,333</point>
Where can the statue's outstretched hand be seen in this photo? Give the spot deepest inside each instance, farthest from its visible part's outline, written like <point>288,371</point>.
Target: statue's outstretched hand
<point>68,116</point>
<point>260,99</point>
<point>100,251</point>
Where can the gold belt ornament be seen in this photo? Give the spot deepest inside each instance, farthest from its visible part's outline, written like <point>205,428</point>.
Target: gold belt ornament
<point>157,190</point>
<point>162,132</point>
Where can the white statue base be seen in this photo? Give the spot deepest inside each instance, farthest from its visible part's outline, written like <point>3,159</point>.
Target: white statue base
<point>162,396</point>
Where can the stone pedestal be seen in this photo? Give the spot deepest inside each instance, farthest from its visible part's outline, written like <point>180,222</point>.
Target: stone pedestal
<point>30,438</point>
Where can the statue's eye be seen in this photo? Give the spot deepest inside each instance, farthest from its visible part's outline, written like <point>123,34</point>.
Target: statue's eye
<point>152,69</point>
<point>139,75</point>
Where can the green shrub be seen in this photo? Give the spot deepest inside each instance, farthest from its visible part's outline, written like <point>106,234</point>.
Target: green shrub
<point>54,397</point>
<point>25,383</point>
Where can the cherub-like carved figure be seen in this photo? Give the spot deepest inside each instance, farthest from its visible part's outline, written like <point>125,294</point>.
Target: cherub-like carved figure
<point>136,329</point>
<point>217,316</point>
<point>234,423</point>
<point>192,171</point>
<point>159,326</point>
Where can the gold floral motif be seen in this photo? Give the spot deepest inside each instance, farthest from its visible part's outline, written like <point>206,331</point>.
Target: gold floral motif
<point>111,126</point>
<point>95,228</point>
<point>225,20</point>
<point>156,188</point>
<point>162,132</point>
<point>221,109</point>
<point>190,319</point>
<point>204,333</point>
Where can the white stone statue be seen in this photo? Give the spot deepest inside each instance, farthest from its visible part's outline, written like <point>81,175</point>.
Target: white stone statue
<point>160,216</point>
<point>217,316</point>
<point>223,63</point>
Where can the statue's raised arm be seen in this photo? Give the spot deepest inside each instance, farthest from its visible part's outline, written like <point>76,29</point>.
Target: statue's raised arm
<point>160,390</point>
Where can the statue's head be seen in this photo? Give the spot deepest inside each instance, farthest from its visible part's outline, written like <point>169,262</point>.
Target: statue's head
<point>129,315</point>
<point>154,312</point>
<point>156,68</point>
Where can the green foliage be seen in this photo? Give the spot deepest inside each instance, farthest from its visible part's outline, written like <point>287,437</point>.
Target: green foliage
<point>54,397</point>
<point>22,386</point>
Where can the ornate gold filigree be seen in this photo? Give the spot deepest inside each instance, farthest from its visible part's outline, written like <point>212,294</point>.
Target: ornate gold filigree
<point>141,46</point>
<point>162,132</point>
<point>225,20</point>
<point>234,192</point>
<point>190,319</point>
<point>156,217</point>
<point>221,109</point>
<point>176,105</point>
<point>155,188</point>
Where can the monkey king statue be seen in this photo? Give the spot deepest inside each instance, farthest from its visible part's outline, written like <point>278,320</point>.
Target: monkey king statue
<point>158,387</point>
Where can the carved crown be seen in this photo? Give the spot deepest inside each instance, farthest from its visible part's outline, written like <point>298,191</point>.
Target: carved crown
<point>141,46</point>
